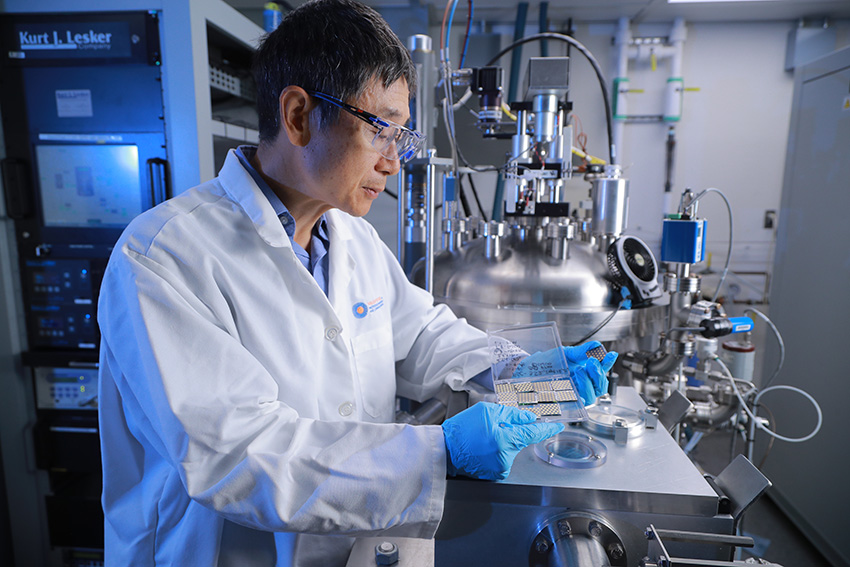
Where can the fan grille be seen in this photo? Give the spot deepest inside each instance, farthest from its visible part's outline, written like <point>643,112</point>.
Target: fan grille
<point>639,260</point>
<point>617,276</point>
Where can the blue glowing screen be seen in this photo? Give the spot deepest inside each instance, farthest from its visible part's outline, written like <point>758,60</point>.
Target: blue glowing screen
<point>89,186</point>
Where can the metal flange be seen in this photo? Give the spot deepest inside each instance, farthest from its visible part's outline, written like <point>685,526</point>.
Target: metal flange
<point>577,534</point>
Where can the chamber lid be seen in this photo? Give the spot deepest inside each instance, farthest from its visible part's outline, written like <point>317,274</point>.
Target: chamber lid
<point>606,419</point>
<point>572,450</point>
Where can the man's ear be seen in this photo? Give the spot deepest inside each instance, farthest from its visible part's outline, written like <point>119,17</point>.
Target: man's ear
<point>295,106</point>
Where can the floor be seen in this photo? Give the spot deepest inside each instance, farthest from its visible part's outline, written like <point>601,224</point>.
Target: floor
<point>777,539</point>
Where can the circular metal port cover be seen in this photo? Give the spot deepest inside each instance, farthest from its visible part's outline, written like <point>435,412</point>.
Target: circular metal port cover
<point>572,450</point>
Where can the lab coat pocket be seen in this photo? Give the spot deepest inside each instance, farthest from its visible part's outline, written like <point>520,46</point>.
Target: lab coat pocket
<point>375,360</point>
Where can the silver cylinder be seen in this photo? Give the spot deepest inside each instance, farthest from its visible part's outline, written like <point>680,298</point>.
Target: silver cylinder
<point>492,232</point>
<point>423,114</point>
<point>678,344</point>
<point>559,236</point>
<point>430,176</point>
<point>739,357</point>
<point>521,141</point>
<point>706,348</point>
<point>561,146</point>
<point>528,229</point>
<point>453,233</point>
<point>583,228</point>
<point>545,117</point>
<point>419,42</point>
<point>522,148</point>
<point>687,284</point>
<point>414,213</point>
<point>610,203</point>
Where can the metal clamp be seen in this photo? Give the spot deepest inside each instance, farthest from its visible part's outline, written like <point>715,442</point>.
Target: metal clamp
<point>658,556</point>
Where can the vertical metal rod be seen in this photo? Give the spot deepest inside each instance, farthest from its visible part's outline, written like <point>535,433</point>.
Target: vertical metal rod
<point>732,450</point>
<point>430,173</point>
<point>751,434</point>
<point>402,216</point>
<point>681,386</point>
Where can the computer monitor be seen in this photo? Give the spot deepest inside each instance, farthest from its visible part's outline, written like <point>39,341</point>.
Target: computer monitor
<point>89,186</point>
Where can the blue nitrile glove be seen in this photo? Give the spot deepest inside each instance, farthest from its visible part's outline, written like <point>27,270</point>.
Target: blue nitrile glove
<point>589,375</point>
<point>483,440</point>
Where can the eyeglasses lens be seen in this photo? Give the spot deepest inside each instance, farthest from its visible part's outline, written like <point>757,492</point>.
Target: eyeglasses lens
<point>395,143</point>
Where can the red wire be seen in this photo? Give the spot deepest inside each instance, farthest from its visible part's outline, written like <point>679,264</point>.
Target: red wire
<point>542,161</point>
<point>581,138</point>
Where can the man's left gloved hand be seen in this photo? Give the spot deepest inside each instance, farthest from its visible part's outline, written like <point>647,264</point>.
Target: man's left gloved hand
<point>588,373</point>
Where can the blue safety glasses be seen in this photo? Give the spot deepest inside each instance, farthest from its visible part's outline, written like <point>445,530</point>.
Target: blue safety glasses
<point>393,141</point>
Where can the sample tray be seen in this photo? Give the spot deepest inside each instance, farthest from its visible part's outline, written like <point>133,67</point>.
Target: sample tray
<point>530,372</point>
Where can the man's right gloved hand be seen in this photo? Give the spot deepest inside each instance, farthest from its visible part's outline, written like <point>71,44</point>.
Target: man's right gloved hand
<point>483,440</point>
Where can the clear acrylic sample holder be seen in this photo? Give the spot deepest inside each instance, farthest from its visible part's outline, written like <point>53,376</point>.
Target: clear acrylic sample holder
<point>530,372</point>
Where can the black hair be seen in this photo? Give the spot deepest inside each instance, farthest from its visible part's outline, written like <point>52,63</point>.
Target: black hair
<point>332,46</point>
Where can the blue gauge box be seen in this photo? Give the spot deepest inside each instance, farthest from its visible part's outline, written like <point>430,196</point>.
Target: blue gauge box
<point>683,241</point>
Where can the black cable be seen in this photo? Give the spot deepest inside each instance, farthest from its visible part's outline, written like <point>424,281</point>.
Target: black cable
<point>598,328</point>
<point>391,194</point>
<point>612,152</point>
<point>543,24</point>
<point>478,169</point>
<point>477,200</point>
<point>464,202</point>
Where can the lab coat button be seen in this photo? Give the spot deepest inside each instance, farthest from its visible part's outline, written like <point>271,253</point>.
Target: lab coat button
<point>345,409</point>
<point>331,333</point>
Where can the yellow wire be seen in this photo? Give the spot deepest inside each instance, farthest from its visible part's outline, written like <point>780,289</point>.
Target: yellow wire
<point>592,159</point>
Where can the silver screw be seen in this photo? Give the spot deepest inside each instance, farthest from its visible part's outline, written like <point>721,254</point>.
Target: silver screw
<point>594,529</point>
<point>542,546</point>
<point>564,528</point>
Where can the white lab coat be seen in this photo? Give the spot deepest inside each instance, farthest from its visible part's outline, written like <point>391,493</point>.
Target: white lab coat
<point>236,399</point>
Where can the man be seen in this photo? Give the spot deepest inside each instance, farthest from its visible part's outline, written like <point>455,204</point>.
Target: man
<point>256,334</point>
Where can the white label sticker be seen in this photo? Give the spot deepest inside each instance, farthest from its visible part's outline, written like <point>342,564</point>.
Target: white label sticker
<point>74,104</point>
<point>846,105</point>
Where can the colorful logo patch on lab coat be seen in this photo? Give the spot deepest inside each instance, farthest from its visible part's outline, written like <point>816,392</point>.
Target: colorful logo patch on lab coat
<point>362,309</point>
